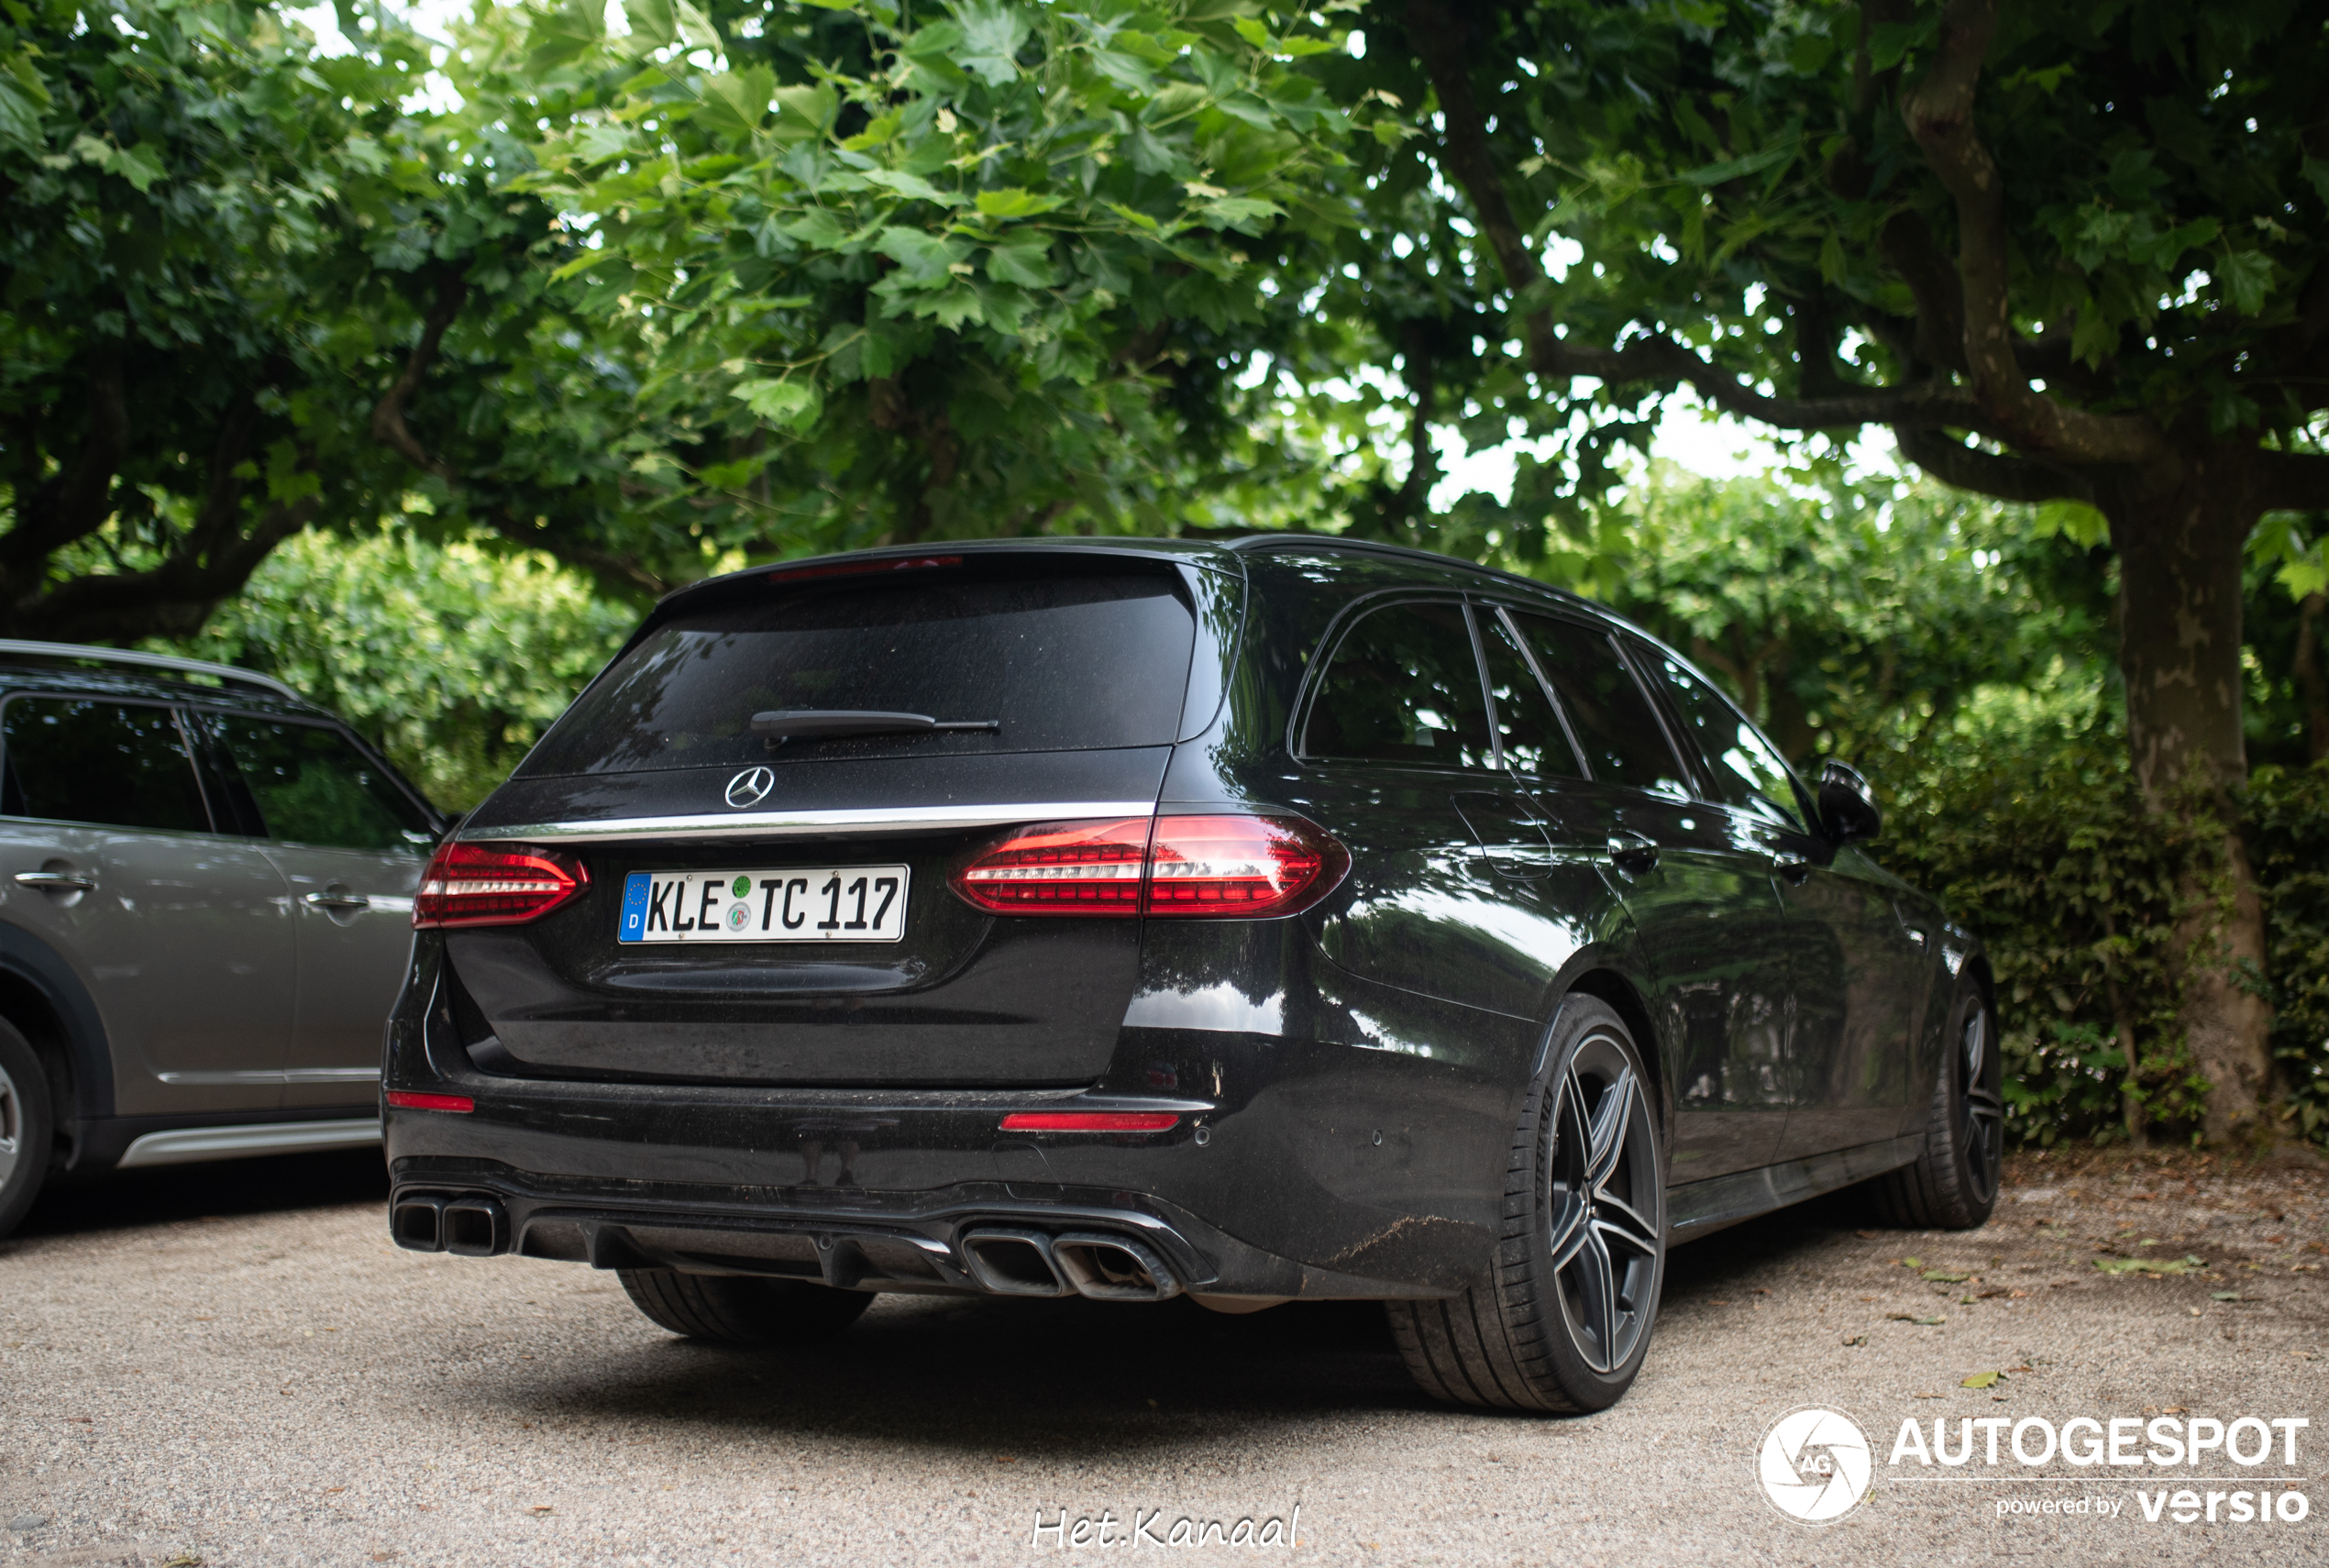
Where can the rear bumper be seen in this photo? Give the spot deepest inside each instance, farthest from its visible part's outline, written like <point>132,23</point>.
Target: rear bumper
<point>598,1190</point>
<point>1325,1171</point>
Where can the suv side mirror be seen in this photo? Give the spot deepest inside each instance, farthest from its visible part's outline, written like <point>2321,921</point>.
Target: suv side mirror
<point>1847,808</point>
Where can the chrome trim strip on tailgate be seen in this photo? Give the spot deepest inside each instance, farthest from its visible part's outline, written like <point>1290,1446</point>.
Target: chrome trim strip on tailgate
<point>187,1145</point>
<point>806,825</point>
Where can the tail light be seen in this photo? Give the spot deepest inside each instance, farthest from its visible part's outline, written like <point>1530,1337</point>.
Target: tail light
<point>470,884</point>
<point>1074,868</point>
<point>1222,867</point>
<point>1090,1122</point>
<point>1241,868</point>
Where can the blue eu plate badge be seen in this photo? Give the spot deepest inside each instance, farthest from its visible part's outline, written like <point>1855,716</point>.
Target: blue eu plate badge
<point>634,906</point>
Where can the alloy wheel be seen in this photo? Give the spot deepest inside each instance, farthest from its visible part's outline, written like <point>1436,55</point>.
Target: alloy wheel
<point>1605,1204</point>
<point>1983,1108</point>
<point>11,1126</point>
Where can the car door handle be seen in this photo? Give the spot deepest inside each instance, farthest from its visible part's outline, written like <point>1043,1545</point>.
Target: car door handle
<point>1790,865</point>
<point>56,881</point>
<point>336,902</point>
<point>1631,851</point>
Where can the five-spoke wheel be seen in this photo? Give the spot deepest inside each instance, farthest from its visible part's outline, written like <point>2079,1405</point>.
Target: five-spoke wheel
<point>1562,1318</point>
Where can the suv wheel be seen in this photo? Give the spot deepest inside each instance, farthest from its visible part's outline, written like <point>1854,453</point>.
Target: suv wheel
<point>1561,1321</point>
<point>26,1128</point>
<point>768,1314</point>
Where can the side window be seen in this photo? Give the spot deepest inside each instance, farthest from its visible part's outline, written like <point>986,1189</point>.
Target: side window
<point>1404,687</point>
<point>1748,770</point>
<point>312,787</point>
<point>1534,743</point>
<point>89,760</point>
<point>1623,741</point>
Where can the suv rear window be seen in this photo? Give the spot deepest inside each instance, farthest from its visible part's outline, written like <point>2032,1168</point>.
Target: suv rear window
<point>1064,662</point>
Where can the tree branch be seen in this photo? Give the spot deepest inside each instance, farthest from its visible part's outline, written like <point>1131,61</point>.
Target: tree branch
<point>1939,116</point>
<point>77,498</point>
<point>1439,36</point>
<point>619,572</point>
<point>170,599</point>
<point>388,414</point>
<point>1987,473</point>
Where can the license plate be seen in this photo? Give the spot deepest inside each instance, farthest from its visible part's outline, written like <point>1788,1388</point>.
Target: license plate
<point>829,904</point>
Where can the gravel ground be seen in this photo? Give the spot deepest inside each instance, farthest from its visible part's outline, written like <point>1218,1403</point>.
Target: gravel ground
<point>233,1365</point>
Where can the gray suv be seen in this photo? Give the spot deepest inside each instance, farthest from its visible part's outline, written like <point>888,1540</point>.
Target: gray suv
<point>205,912</point>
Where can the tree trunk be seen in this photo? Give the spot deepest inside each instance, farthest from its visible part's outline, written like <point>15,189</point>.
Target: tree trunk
<point>2313,690</point>
<point>2180,529</point>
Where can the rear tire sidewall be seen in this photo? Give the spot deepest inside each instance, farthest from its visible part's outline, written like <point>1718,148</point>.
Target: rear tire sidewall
<point>35,1127</point>
<point>1587,1388</point>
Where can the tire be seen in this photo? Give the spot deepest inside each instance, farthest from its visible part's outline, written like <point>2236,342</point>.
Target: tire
<point>1952,1186</point>
<point>767,1314</point>
<point>28,1127</point>
<point>1561,1321</point>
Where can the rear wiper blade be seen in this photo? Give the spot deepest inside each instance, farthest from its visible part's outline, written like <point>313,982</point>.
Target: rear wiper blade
<point>825,723</point>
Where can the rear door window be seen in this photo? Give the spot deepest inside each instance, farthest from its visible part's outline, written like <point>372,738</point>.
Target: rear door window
<point>1528,728</point>
<point>1746,770</point>
<point>1623,741</point>
<point>1404,687</point>
<point>82,759</point>
<point>1060,661</point>
<point>311,785</point>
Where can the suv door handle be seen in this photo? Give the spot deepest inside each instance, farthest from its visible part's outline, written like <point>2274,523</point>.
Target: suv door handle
<point>1790,865</point>
<point>336,900</point>
<point>56,881</point>
<point>1631,851</point>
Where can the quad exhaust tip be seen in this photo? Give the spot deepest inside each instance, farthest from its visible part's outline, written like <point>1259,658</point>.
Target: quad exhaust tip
<point>468,1226</point>
<point>1032,1263</point>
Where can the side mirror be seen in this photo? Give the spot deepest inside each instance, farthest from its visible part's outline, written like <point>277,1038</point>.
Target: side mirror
<point>1847,808</point>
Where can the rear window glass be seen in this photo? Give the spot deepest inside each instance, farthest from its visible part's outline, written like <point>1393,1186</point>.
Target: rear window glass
<point>1404,687</point>
<point>1060,662</point>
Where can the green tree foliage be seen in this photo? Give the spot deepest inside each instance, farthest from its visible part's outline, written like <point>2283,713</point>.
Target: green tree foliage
<point>891,272</point>
<point>248,291</point>
<point>2086,239</point>
<point>1855,619</point>
<point>451,658</point>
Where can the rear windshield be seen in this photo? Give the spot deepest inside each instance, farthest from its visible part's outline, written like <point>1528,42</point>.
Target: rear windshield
<point>1061,662</point>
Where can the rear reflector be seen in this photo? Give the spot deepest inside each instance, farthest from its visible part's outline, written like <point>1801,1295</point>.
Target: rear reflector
<point>1089,1121</point>
<point>405,1099</point>
<point>1221,867</point>
<point>468,884</point>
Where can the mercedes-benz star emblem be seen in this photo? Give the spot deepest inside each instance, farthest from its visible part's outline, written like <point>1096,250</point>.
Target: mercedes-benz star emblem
<point>751,786</point>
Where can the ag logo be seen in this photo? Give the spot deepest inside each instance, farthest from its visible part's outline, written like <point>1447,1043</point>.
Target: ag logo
<point>751,786</point>
<point>1815,1464</point>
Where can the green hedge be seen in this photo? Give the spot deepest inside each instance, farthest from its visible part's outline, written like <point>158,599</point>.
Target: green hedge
<point>2073,887</point>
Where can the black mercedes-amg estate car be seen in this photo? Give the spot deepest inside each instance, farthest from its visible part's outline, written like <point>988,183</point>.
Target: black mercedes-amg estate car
<point>1290,918</point>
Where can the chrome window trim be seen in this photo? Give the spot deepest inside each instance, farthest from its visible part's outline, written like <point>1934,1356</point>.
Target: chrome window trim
<point>807,825</point>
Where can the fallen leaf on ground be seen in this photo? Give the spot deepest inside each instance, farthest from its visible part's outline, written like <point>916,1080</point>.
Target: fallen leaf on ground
<point>1942,1276</point>
<point>1912,1318</point>
<point>1982,1380</point>
<point>540,1509</point>
<point>1855,1339</point>
<point>1912,1263</point>
<point>1928,1396</point>
<point>2223,1295</point>
<point>2149,1265</point>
